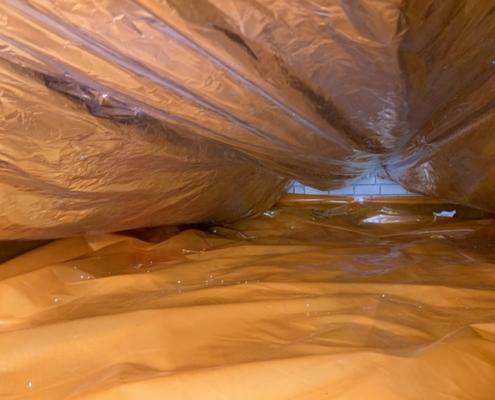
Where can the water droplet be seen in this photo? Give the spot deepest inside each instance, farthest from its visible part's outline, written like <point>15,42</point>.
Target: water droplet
<point>55,300</point>
<point>179,281</point>
<point>30,384</point>
<point>383,295</point>
<point>438,237</point>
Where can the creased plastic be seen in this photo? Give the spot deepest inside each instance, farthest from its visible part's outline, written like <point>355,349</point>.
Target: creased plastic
<point>321,91</point>
<point>448,60</point>
<point>65,172</point>
<point>308,301</point>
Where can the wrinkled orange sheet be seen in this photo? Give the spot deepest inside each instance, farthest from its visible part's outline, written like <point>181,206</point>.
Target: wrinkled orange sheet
<point>308,301</point>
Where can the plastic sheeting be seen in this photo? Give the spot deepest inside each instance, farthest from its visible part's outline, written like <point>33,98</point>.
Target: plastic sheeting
<point>308,301</point>
<point>321,91</point>
<point>449,67</point>
<point>204,94</point>
<point>65,172</point>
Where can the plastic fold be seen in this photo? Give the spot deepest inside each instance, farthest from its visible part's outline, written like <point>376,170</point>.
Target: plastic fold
<point>65,172</point>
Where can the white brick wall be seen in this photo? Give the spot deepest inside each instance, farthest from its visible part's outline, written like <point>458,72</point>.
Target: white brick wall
<point>367,186</point>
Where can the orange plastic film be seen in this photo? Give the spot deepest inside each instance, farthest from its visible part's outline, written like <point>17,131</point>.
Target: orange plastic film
<point>308,301</point>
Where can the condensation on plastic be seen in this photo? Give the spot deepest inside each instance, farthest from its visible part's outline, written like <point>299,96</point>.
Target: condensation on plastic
<point>65,172</point>
<point>311,300</point>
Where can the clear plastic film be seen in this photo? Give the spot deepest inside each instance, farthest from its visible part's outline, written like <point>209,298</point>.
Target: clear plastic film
<point>308,301</point>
